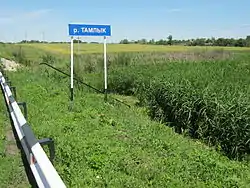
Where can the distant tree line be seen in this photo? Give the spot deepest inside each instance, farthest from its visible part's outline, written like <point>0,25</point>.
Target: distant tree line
<point>60,42</point>
<point>241,42</point>
<point>194,42</point>
<point>57,42</point>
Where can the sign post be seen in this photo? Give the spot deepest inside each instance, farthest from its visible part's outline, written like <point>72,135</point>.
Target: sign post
<point>72,69</point>
<point>105,69</point>
<point>90,30</point>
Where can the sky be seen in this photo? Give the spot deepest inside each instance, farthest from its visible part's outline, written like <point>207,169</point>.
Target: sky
<point>131,19</point>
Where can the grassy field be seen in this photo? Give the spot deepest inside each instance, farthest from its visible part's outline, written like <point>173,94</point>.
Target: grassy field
<point>63,50</point>
<point>110,145</point>
<point>203,94</point>
<point>114,48</point>
<point>207,100</point>
<point>147,53</point>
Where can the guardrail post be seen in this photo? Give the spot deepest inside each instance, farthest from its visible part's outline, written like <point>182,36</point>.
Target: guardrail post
<point>24,105</point>
<point>51,146</point>
<point>38,166</point>
<point>8,82</point>
<point>13,89</point>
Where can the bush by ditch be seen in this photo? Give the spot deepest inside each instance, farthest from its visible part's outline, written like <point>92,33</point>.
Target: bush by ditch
<point>208,100</point>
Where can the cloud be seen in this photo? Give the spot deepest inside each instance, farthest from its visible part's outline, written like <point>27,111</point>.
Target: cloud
<point>174,10</point>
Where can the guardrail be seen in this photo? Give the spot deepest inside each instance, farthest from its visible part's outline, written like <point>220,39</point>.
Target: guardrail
<point>42,168</point>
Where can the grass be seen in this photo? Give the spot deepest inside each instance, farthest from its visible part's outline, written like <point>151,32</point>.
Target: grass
<point>131,53</point>
<point>35,50</point>
<point>13,51</point>
<point>208,100</point>
<point>109,145</point>
<point>11,170</point>
<point>187,82</point>
<point>114,48</point>
<point>202,92</point>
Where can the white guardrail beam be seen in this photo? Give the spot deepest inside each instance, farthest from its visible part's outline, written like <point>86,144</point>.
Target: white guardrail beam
<point>44,172</point>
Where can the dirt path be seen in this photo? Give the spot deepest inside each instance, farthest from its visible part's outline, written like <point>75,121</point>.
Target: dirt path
<point>10,147</point>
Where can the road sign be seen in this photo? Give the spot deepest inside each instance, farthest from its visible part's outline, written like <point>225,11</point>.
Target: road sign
<point>89,30</point>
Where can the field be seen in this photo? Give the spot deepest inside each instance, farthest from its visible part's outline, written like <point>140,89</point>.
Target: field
<point>188,125</point>
<point>64,49</point>
<point>116,48</point>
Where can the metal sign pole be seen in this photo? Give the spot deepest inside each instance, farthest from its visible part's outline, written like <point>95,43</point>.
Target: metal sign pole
<point>78,45</point>
<point>105,68</point>
<point>71,69</point>
<point>90,30</point>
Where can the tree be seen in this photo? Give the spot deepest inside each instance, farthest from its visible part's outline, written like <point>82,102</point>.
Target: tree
<point>240,43</point>
<point>220,42</point>
<point>232,42</point>
<point>77,41</point>
<point>152,41</point>
<point>161,42</point>
<point>142,41</point>
<point>124,41</point>
<point>170,40</point>
<point>190,42</point>
<point>199,42</point>
<point>248,41</point>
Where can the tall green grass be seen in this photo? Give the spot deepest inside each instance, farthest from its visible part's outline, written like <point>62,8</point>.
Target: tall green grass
<point>103,145</point>
<point>204,99</point>
<point>107,145</point>
<point>203,93</point>
<point>207,100</point>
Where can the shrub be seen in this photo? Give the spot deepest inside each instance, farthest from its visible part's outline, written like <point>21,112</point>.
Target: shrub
<point>124,84</point>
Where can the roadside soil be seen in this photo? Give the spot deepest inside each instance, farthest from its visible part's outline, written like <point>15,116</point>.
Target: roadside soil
<point>9,65</point>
